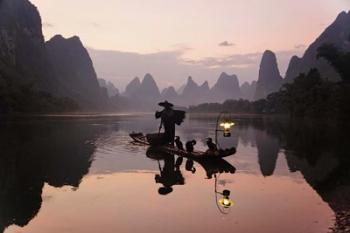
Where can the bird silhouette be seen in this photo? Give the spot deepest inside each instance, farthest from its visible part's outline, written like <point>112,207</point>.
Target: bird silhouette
<point>190,146</point>
<point>178,143</point>
<point>211,145</point>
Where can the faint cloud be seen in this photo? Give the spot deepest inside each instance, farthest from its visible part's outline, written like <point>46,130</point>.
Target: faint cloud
<point>94,24</point>
<point>226,44</point>
<point>237,60</point>
<point>300,46</point>
<point>181,47</point>
<point>48,25</point>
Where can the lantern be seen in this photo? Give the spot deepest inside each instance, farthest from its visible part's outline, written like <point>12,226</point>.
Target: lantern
<point>226,125</point>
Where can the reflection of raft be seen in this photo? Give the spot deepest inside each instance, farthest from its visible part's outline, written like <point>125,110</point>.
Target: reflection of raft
<point>211,165</point>
<point>142,139</point>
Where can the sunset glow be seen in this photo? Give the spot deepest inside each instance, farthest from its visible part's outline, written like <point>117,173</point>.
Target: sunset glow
<point>199,37</point>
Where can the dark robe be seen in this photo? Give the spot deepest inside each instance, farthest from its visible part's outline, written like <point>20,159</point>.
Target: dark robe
<point>168,122</point>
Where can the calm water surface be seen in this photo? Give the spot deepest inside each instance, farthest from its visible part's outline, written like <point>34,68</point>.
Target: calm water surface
<point>83,175</point>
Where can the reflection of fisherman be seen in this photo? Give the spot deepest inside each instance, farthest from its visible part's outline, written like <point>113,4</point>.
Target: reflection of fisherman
<point>169,117</point>
<point>170,175</point>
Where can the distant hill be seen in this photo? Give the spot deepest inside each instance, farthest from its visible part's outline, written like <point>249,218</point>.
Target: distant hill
<point>269,79</point>
<point>149,90</point>
<point>132,88</point>
<point>146,91</point>
<point>170,94</point>
<point>226,87</point>
<point>109,86</point>
<point>248,90</point>
<point>193,93</point>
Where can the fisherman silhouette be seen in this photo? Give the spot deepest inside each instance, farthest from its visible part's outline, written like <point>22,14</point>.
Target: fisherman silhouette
<point>169,117</point>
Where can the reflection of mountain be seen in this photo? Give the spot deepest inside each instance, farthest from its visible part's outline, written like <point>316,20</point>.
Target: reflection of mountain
<point>330,177</point>
<point>268,148</point>
<point>57,153</point>
<point>325,164</point>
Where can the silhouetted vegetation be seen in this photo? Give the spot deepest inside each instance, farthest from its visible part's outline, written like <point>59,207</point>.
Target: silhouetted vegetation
<point>338,59</point>
<point>24,98</point>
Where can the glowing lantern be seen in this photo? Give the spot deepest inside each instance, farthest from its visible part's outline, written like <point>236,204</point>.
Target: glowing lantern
<point>225,201</point>
<point>226,125</point>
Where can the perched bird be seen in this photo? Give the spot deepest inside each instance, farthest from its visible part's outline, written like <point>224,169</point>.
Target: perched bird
<point>178,143</point>
<point>190,146</point>
<point>211,145</point>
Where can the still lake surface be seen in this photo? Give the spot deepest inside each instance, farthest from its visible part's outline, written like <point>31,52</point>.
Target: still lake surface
<point>82,174</point>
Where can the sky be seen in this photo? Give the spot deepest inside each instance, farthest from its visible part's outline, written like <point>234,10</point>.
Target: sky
<point>173,39</point>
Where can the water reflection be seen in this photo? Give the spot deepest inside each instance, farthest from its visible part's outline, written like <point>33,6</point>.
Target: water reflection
<point>316,149</point>
<point>170,172</point>
<point>268,148</point>
<point>275,158</point>
<point>57,154</point>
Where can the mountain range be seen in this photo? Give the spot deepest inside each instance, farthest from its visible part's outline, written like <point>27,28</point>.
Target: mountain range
<point>62,67</point>
<point>191,93</point>
<point>109,87</point>
<point>269,79</point>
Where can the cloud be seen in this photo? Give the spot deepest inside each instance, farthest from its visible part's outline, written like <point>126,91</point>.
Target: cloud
<point>180,46</point>
<point>94,24</point>
<point>237,60</point>
<point>48,25</point>
<point>226,44</point>
<point>300,46</point>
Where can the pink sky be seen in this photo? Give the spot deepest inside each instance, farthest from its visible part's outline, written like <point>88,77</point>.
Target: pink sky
<point>194,27</point>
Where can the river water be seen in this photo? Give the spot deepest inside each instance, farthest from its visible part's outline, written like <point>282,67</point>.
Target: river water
<point>83,174</point>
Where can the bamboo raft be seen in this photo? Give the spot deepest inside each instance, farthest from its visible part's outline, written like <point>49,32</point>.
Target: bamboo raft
<point>142,139</point>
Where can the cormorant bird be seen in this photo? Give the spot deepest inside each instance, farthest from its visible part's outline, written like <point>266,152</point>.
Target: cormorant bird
<point>178,143</point>
<point>190,146</point>
<point>211,145</point>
